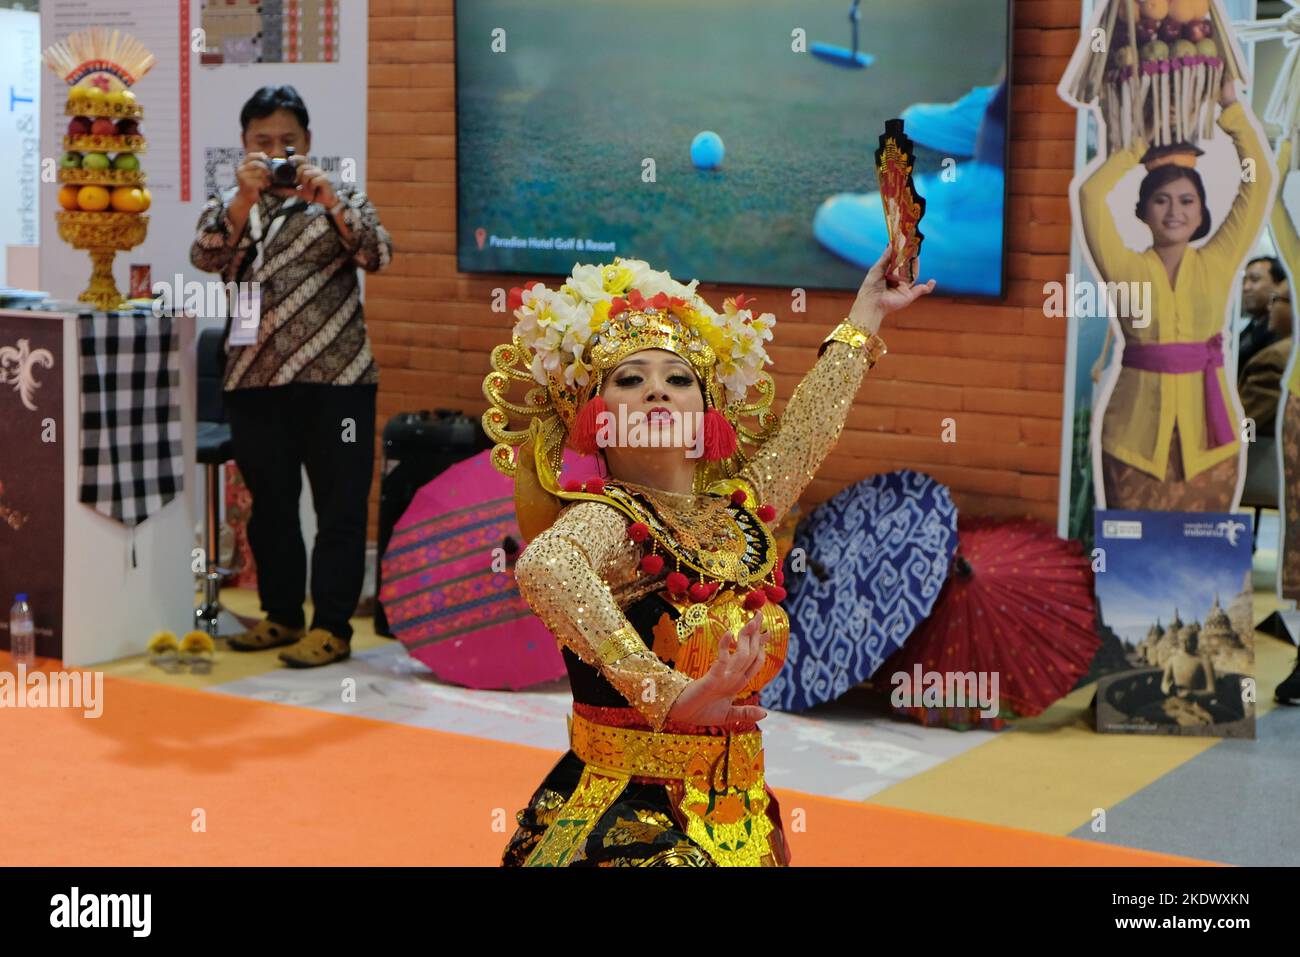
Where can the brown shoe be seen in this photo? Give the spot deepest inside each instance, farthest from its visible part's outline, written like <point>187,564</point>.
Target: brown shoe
<point>317,648</point>
<point>265,634</point>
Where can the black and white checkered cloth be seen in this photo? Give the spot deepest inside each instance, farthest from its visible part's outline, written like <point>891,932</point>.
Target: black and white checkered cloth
<point>131,456</point>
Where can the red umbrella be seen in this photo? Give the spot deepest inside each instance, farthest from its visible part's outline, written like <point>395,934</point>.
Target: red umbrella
<point>445,600</point>
<point>1018,603</point>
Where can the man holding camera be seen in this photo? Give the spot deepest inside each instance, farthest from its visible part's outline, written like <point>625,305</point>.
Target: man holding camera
<point>300,378</point>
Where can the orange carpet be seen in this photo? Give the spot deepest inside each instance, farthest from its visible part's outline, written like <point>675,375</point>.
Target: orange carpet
<point>172,776</point>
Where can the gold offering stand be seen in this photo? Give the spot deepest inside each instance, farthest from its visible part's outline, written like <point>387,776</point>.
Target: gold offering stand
<point>102,233</point>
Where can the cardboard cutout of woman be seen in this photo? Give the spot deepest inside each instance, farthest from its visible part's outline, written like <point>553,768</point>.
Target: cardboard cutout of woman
<point>1287,241</point>
<point>1167,435</point>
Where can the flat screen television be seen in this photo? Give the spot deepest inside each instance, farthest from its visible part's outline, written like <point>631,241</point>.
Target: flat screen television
<point>729,141</point>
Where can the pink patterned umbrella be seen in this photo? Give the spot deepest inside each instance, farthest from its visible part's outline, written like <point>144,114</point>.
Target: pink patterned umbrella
<point>443,599</point>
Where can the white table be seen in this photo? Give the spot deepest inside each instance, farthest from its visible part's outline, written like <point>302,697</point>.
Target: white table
<point>111,609</point>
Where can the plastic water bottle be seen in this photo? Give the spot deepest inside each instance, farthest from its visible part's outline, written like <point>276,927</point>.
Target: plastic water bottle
<point>22,632</point>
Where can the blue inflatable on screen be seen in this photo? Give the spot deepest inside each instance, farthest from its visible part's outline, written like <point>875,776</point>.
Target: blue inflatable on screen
<point>707,150</point>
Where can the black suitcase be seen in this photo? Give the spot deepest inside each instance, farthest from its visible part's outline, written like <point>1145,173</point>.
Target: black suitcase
<point>417,447</point>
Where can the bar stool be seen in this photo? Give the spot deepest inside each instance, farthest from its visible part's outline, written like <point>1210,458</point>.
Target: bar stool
<point>214,448</point>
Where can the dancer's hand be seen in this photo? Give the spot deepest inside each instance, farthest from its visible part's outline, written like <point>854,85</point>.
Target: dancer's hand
<point>876,297</point>
<point>707,700</point>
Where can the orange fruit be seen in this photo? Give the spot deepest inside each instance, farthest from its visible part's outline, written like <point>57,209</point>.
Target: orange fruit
<point>68,197</point>
<point>130,199</point>
<point>93,198</point>
<point>148,200</point>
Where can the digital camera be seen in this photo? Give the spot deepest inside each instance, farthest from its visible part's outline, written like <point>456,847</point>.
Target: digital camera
<point>283,172</point>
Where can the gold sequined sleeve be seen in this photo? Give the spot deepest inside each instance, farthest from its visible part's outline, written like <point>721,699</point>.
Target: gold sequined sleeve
<point>810,426</point>
<point>560,575</point>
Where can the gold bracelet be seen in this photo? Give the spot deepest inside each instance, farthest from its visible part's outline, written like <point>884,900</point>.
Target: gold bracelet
<point>851,335</point>
<point>623,642</point>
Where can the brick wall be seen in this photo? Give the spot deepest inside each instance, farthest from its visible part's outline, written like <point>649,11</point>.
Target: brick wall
<point>998,370</point>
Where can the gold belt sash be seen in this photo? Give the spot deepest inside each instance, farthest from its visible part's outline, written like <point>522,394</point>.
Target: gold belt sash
<point>724,799</point>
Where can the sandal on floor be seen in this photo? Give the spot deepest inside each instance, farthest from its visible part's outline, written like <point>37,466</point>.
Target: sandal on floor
<point>163,650</point>
<point>319,647</point>
<point>265,634</point>
<point>198,650</point>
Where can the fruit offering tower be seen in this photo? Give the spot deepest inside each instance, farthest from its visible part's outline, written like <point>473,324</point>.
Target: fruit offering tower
<point>102,196</point>
<point>1156,75</point>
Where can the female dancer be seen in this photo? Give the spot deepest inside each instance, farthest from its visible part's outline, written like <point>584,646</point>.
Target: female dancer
<point>1169,436</point>
<point>661,580</point>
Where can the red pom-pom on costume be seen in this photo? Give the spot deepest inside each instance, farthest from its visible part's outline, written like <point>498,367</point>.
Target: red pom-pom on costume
<point>719,436</point>
<point>755,600</point>
<point>775,593</point>
<point>638,531</point>
<point>766,513</point>
<point>594,486</point>
<point>515,299</point>
<point>677,582</point>
<point>739,496</point>
<point>573,485</point>
<point>700,591</point>
<point>652,564</point>
<point>779,574</point>
<point>713,587</point>
<point>582,438</point>
<point>616,306</point>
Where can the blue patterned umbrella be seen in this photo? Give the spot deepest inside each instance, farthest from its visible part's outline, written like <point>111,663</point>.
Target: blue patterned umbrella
<point>876,558</point>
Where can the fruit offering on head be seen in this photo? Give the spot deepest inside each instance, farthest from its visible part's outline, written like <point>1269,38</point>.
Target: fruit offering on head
<point>126,161</point>
<point>93,198</point>
<point>1155,52</point>
<point>1184,49</point>
<point>1170,30</point>
<point>128,99</point>
<point>148,199</point>
<point>128,128</point>
<point>113,98</point>
<point>68,197</point>
<point>1155,9</point>
<point>1147,30</point>
<point>96,161</point>
<point>92,94</point>
<point>103,127</point>
<point>1197,30</point>
<point>1207,47</point>
<point>79,126</point>
<point>1124,56</point>
<point>1181,11</point>
<point>70,161</point>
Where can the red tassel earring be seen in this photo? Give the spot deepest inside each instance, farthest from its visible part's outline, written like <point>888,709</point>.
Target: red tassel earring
<point>719,436</point>
<point>582,437</point>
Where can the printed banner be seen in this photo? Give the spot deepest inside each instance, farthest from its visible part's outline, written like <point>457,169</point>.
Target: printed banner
<point>31,474</point>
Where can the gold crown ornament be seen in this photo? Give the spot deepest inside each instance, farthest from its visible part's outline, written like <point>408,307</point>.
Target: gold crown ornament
<point>566,340</point>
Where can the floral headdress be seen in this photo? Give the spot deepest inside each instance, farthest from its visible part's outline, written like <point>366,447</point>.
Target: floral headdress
<point>565,342</point>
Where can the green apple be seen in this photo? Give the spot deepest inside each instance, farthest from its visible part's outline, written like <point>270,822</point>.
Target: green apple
<point>95,161</point>
<point>126,161</point>
<point>71,161</point>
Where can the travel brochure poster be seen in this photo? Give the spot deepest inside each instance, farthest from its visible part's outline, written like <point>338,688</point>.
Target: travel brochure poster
<point>1176,617</point>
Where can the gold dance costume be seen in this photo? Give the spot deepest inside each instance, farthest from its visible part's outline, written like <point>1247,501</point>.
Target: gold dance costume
<point>638,585</point>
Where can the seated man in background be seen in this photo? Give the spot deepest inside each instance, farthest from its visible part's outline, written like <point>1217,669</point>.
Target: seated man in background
<point>300,378</point>
<point>1260,379</point>
<point>1259,281</point>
